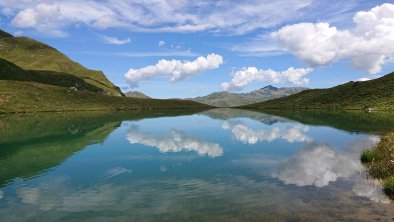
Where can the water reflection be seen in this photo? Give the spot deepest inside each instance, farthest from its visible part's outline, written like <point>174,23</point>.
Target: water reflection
<point>175,141</point>
<point>302,173</point>
<point>245,134</point>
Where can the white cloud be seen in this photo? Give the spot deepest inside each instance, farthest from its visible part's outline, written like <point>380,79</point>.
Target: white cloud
<point>175,69</point>
<point>115,41</point>
<point>231,17</point>
<point>175,142</point>
<point>247,135</point>
<point>367,46</point>
<point>161,43</point>
<point>245,76</point>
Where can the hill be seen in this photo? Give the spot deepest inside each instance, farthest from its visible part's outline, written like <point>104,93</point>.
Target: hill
<point>22,96</point>
<point>9,71</point>
<point>30,54</point>
<point>226,99</point>
<point>136,94</point>
<point>377,94</point>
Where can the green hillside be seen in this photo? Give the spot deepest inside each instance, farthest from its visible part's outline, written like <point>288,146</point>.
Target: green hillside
<point>9,71</point>
<point>18,96</point>
<point>30,54</point>
<point>377,94</point>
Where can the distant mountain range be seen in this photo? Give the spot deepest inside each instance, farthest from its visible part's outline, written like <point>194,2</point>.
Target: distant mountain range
<point>377,94</point>
<point>227,99</point>
<point>136,94</point>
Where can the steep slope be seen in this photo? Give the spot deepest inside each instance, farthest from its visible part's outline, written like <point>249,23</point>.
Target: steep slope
<point>30,54</point>
<point>376,94</point>
<point>9,71</point>
<point>226,99</point>
<point>136,94</point>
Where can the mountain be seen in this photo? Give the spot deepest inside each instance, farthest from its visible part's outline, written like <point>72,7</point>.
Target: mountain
<point>136,94</point>
<point>375,94</point>
<point>30,54</point>
<point>226,99</point>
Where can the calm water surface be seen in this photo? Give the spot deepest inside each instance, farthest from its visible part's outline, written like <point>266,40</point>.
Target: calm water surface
<point>217,165</point>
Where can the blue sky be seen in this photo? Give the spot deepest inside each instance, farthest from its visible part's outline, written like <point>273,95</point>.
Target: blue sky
<point>251,44</point>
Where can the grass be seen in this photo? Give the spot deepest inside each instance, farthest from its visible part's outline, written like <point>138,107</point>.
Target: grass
<point>9,71</point>
<point>380,162</point>
<point>377,94</point>
<point>30,54</point>
<point>22,97</point>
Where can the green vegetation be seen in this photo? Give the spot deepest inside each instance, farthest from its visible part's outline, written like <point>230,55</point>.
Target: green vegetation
<point>377,94</point>
<point>18,97</point>
<point>9,71</point>
<point>226,99</point>
<point>35,142</point>
<point>30,54</point>
<point>379,122</point>
<point>136,94</point>
<point>380,162</point>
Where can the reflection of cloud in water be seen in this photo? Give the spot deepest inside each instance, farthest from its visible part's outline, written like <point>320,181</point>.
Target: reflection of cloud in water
<point>371,189</point>
<point>116,171</point>
<point>317,165</point>
<point>245,134</point>
<point>1,194</point>
<point>175,142</point>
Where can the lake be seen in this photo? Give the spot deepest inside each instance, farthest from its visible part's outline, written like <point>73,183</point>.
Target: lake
<point>214,165</point>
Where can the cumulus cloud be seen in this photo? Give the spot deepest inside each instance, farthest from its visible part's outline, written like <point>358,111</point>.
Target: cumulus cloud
<point>245,76</point>
<point>175,142</point>
<point>115,41</point>
<point>176,70</point>
<point>155,16</point>
<point>247,135</point>
<point>367,46</point>
<point>161,43</point>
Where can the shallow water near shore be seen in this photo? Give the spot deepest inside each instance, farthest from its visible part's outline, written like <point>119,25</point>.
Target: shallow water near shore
<point>215,165</point>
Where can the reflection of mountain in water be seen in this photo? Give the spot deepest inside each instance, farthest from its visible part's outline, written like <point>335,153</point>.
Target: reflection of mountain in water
<point>243,133</point>
<point>33,143</point>
<point>228,113</point>
<point>176,141</point>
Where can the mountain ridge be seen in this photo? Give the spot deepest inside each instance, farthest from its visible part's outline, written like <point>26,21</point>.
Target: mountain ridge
<point>30,54</point>
<point>228,99</point>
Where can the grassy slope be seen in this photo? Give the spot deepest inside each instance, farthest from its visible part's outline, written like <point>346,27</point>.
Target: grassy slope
<point>9,71</point>
<point>17,96</point>
<point>377,94</point>
<point>30,54</point>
